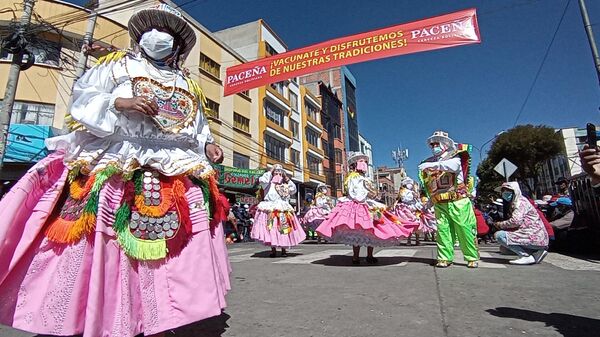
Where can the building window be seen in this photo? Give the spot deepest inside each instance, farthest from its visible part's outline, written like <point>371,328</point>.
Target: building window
<point>212,109</point>
<point>274,113</point>
<point>295,128</point>
<point>275,148</point>
<point>210,66</point>
<point>245,93</point>
<point>325,147</point>
<point>339,181</point>
<point>241,161</point>
<point>312,137</point>
<point>31,113</point>
<point>270,50</point>
<point>45,52</point>
<point>295,157</point>
<point>338,156</point>
<point>241,123</point>
<point>337,132</point>
<point>294,101</point>
<point>311,110</point>
<point>279,87</point>
<point>313,164</point>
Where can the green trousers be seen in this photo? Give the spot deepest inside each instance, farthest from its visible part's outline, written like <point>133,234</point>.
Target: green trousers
<point>456,220</point>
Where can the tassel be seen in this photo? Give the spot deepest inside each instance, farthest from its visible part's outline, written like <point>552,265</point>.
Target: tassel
<point>140,249</point>
<point>183,208</point>
<point>122,218</point>
<point>59,230</point>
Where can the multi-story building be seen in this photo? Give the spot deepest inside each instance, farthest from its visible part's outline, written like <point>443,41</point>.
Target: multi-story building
<point>566,164</point>
<point>395,174</point>
<point>288,115</point>
<point>343,83</point>
<point>43,91</point>
<point>367,149</point>
<point>387,192</point>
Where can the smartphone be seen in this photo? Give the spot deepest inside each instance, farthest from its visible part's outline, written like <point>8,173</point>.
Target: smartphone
<point>591,135</point>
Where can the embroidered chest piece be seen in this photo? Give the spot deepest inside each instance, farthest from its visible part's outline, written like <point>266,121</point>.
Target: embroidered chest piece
<point>177,107</point>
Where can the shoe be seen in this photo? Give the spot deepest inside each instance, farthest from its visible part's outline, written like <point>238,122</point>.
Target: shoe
<point>473,264</point>
<point>372,260</point>
<point>355,262</point>
<point>525,260</point>
<point>272,255</point>
<point>540,255</point>
<point>443,264</point>
<point>284,255</point>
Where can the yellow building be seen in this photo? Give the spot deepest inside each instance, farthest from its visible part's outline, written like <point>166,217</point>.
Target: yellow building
<point>231,120</point>
<point>286,135</point>
<point>43,91</point>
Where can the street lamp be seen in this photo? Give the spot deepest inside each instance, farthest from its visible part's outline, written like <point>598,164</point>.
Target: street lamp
<point>484,144</point>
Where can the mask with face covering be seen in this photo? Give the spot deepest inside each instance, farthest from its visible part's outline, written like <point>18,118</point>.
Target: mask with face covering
<point>409,186</point>
<point>158,45</point>
<point>361,166</point>
<point>437,150</point>
<point>507,196</point>
<point>277,178</point>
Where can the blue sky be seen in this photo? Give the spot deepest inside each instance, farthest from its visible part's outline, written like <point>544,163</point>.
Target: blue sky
<point>473,92</point>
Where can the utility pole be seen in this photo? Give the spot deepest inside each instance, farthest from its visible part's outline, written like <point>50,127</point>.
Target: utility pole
<point>87,40</point>
<point>13,80</point>
<point>590,35</point>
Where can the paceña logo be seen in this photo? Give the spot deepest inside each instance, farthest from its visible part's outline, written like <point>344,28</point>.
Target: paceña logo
<point>462,27</point>
<point>246,74</point>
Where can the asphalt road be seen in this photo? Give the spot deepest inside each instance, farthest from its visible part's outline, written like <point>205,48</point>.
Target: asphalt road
<point>316,291</point>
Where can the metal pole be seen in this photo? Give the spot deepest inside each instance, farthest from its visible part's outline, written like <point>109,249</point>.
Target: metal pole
<point>87,40</point>
<point>11,84</point>
<point>590,35</point>
<point>504,169</point>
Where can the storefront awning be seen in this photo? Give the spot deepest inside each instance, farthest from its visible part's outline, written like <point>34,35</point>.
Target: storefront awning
<point>238,178</point>
<point>26,143</point>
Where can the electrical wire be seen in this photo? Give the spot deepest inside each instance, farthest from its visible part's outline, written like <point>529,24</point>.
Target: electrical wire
<point>542,64</point>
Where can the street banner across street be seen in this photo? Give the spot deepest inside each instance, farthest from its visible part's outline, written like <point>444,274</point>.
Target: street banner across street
<point>444,31</point>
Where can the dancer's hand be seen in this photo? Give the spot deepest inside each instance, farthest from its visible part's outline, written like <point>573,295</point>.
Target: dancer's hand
<point>138,104</point>
<point>214,153</point>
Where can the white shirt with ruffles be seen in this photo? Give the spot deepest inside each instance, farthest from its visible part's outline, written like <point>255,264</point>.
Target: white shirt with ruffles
<point>129,139</point>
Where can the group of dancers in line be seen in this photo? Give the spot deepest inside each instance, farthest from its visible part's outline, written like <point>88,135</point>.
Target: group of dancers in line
<point>355,219</point>
<point>117,232</point>
<point>358,220</point>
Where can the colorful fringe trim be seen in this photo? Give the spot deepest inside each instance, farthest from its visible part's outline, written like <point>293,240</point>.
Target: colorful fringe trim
<point>275,218</point>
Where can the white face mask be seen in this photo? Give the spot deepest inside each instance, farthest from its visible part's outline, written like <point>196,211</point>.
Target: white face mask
<point>158,45</point>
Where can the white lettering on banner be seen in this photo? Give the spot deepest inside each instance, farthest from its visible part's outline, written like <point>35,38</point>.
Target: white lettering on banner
<point>258,70</point>
<point>442,29</point>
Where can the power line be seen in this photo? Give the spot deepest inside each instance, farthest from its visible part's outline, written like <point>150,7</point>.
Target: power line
<point>543,62</point>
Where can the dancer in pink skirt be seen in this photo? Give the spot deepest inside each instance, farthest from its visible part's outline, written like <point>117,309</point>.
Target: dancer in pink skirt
<point>359,221</point>
<point>275,222</point>
<point>407,207</point>
<point>320,208</point>
<point>110,234</point>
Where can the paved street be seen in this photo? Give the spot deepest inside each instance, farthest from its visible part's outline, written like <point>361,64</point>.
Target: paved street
<point>317,292</point>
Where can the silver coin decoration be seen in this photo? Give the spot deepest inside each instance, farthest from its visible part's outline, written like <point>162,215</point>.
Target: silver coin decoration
<point>174,225</point>
<point>147,180</point>
<point>147,174</point>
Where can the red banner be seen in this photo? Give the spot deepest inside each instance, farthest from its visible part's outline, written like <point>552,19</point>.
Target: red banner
<point>449,30</point>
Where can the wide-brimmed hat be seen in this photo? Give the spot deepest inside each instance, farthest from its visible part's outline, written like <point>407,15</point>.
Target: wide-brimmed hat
<point>277,167</point>
<point>321,187</point>
<point>442,138</point>
<point>406,181</point>
<point>163,17</point>
<point>353,157</point>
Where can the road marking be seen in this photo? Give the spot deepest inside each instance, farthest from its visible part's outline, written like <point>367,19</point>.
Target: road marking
<point>309,258</point>
<point>238,250</point>
<point>571,263</point>
<point>396,253</point>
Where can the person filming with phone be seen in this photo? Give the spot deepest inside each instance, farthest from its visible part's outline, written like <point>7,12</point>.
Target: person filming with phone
<point>590,157</point>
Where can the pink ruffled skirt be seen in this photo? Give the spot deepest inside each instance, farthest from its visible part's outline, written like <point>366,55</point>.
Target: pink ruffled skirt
<point>91,287</point>
<point>353,224</point>
<point>277,231</point>
<point>313,218</point>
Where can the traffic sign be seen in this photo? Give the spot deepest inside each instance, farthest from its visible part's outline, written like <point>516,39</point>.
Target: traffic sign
<point>505,168</point>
